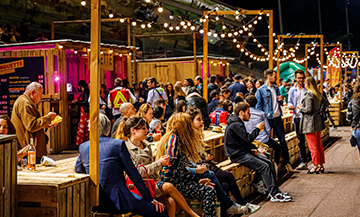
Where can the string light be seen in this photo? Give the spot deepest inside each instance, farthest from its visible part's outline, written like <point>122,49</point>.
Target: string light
<point>149,25</point>
<point>133,23</point>
<point>147,1</point>
<point>171,16</point>
<point>111,15</point>
<point>171,28</point>
<point>192,28</point>
<point>160,8</point>
<point>177,27</point>
<point>143,26</point>
<point>83,3</point>
<point>215,35</point>
<point>122,20</point>
<point>217,18</point>
<point>166,25</point>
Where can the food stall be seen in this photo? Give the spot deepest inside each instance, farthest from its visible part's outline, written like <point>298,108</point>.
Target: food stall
<point>59,65</point>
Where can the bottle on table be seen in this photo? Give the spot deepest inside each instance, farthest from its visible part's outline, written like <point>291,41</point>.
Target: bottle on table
<point>32,156</point>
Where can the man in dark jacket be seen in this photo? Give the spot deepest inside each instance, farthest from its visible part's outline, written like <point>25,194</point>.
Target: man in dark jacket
<point>212,86</point>
<point>114,160</point>
<point>236,87</point>
<point>214,96</point>
<point>199,84</point>
<point>239,147</point>
<point>194,99</point>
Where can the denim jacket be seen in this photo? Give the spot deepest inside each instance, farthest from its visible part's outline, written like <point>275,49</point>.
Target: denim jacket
<point>263,96</point>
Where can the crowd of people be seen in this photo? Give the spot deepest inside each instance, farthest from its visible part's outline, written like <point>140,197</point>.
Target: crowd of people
<point>131,119</point>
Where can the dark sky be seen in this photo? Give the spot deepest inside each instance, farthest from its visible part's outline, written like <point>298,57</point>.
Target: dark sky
<point>302,16</point>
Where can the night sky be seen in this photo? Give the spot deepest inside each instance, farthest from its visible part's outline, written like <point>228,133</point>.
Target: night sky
<point>302,16</point>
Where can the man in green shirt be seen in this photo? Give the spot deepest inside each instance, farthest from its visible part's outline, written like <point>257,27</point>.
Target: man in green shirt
<point>284,91</point>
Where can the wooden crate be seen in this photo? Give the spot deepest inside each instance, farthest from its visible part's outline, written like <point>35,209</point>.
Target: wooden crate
<point>8,175</point>
<point>47,194</point>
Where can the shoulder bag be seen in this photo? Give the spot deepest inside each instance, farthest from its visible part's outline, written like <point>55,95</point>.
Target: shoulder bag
<point>150,183</point>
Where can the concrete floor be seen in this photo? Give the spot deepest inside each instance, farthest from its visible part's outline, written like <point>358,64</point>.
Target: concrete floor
<point>335,193</point>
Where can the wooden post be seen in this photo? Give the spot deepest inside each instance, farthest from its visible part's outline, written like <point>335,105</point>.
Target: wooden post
<point>321,62</point>
<point>278,63</point>
<point>195,61</point>
<point>134,72</point>
<point>357,67</point>
<point>128,32</point>
<point>205,58</point>
<point>94,99</point>
<point>271,40</point>
<point>306,62</point>
<point>52,30</point>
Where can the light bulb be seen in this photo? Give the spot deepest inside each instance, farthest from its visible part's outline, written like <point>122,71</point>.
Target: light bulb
<point>201,31</point>
<point>185,26</point>
<point>238,45</point>
<point>236,33</point>
<point>222,35</point>
<point>255,22</point>
<point>245,29</point>
<point>171,16</point>
<point>122,20</point>
<point>234,40</point>
<point>171,28</point>
<point>166,25</point>
<point>215,35</point>
<point>259,45</point>
<point>250,26</point>
<point>133,23</point>
<point>149,25</point>
<point>237,17</point>
<point>177,27</point>
<point>189,24</point>
<point>182,23</point>
<point>147,1</point>
<point>241,31</point>
<point>101,52</point>
<point>224,27</point>
<point>260,17</point>
<point>192,28</point>
<point>75,52</point>
<point>254,40</point>
<point>160,9</point>
<point>61,47</point>
<point>246,53</point>
<point>217,18</point>
<point>111,15</point>
<point>83,3</point>
<point>209,33</point>
<point>242,50</point>
<point>276,41</point>
<point>230,34</point>
<point>143,26</point>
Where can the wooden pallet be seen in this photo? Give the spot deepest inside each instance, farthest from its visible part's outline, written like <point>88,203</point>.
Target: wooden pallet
<point>8,175</point>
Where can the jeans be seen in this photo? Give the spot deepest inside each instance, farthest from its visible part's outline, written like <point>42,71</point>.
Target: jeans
<point>330,118</point>
<point>278,126</point>
<point>260,166</point>
<point>224,199</point>
<point>228,183</point>
<point>277,149</point>
<point>356,134</point>
<point>301,138</point>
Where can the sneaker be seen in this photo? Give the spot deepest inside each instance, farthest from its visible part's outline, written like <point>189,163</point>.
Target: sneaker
<point>260,187</point>
<point>302,166</point>
<point>333,128</point>
<point>252,208</point>
<point>236,209</point>
<point>279,197</point>
<point>283,193</point>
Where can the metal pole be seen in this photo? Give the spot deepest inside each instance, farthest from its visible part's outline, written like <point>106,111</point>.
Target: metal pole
<point>280,17</point>
<point>322,62</point>
<point>347,22</point>
<point>320,23</point>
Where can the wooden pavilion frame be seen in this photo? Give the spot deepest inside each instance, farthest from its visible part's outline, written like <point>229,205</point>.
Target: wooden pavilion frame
<point>245,12</point>
<point>303,36</point>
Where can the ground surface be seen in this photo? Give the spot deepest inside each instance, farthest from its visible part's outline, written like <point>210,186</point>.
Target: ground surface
<point>335,193</point>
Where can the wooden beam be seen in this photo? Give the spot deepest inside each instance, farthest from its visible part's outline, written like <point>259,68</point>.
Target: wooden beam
<point>205,58</point>
<point>271,39</point>
<point>306,62</point>
<point>195,61</point>
<point>161,35</point>
<point>88,21</point>
<point>278,63</point>
<point>128,28</point>
<point>321,62</point>
<point>94,99</point>
<point>301,36</point>
<point>52,30</point>
<point>242,11</point>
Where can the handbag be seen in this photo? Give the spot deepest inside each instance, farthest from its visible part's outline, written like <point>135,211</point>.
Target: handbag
<point>150,183</point>
<point>353,142</point>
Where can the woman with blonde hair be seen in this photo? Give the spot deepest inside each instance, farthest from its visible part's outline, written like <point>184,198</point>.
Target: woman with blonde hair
<point>134,134</point>
<point>311,123</point>
<point>146,112</point>
<point>183,144</point>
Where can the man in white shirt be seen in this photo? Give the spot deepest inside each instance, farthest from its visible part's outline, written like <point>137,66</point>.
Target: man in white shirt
<point>155,92</point>
<point>296,96</point>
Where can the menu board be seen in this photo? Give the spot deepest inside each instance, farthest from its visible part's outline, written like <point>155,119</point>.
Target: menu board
<point>15,75</point>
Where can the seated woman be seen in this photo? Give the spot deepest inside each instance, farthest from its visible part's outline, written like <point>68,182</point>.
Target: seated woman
<point>180,106</point>
<point>146,112</point>
<point>6,127</point>
<point>225,179</point>
<point>155,125</point>
<point>182,144</point>
<point>135,134</point>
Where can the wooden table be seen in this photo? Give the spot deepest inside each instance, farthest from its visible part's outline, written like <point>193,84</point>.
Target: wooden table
<point>54,191</point>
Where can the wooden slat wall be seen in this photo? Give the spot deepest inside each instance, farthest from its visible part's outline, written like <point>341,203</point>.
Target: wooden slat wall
<point>8,176</point>
<point>170,72</point>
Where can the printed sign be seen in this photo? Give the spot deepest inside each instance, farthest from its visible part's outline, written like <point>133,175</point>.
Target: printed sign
<point>15,75</point>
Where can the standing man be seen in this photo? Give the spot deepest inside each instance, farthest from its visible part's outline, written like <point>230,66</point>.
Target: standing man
<point>237,87</point>
<point>270,101</point>
<point>284,91</point>
<point>212,86</point>
<point>296,96</point>
<point>118,96</point>
<point>28,122</point>
<point>155,92</point>
<point>199,85</point>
